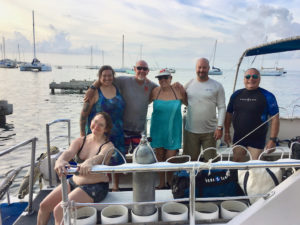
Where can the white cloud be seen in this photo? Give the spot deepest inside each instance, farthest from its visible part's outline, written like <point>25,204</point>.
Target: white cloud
<point>171,32</point>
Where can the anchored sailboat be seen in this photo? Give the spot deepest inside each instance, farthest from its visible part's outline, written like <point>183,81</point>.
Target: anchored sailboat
<point>122,69</point>
<point>35,65</point>
<point>91,66</point>
<point>6,63</point>
<point>214,70</point>
<point>272,71</point>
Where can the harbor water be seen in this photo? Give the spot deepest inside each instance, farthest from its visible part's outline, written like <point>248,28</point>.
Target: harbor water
<point>34,105</point>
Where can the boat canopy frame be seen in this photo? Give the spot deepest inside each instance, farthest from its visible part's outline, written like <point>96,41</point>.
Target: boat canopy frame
<point>282,45</point>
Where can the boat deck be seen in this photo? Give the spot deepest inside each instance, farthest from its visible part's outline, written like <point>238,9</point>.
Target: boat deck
<point>31,219</point>
<point>112,197</point>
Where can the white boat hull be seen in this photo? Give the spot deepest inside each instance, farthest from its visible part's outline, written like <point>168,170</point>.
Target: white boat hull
<point>35,67</point>
<point>212,72</point>
<point>272,71</point>
<point>282,207</point>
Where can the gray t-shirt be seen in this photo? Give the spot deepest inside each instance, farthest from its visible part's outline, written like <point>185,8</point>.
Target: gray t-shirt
<point>203,100</point>
<point>137,99</point>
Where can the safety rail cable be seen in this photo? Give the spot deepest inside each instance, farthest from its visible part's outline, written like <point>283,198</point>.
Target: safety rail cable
<point>48,143</point>
<point>165,166</point>
<point>32,164</point>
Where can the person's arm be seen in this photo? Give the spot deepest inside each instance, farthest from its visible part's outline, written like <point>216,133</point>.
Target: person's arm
<point>178,86</point>
<point>273,133</point>
<point>221,113</point>
<point>107,150</point>
<point>180,92</point>
<point>185,99</point>
<point>86,109</point>
<point>91,91</point>
<point>227,124</point>
<point>153,93</point>
<point>62,163</point>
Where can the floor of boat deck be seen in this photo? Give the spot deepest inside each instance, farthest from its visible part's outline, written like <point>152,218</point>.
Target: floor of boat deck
<point>31,219</point>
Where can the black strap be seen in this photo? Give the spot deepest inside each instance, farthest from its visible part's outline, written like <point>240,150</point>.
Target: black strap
<point>81,146</point>
<point>274,178</point>
<point>158,94</point>
<point>246,181</point>
<point>272,175</point>
<point>102,145</point>
<point>172,91</point>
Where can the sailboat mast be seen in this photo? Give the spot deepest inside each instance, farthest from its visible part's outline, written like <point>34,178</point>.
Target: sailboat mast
<point>123,51</point>
<point>214,53</point>
<point>91,55</point>
<point>19,53</point>
<point>102,57</point>
<point>141,52</point>
<point>3,41</point>
<point>34,54</point>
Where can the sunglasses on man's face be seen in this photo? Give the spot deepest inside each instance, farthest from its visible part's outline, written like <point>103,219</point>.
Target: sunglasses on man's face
<point>254,76</point>
<point>142,68</point>
<point>165,77</point>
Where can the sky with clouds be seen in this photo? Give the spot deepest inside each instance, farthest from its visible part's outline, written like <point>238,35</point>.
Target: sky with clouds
<point>163,32</point>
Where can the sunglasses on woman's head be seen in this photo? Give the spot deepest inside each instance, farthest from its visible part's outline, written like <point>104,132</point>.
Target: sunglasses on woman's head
<point>254,76</point>
<point>142,68</point>
<point>165,77</point>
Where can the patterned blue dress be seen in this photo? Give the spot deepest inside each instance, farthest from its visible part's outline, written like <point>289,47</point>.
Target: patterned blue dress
<point>115,108</point>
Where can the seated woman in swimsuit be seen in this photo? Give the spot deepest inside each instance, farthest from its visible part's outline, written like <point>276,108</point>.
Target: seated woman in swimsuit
<point>85,187</point>
<point>166,121</point>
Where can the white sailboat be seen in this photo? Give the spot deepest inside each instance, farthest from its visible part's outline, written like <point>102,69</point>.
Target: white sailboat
<point>35,65</point>
<point>272,71</point>
<point>92,67</point>
<point>122,69</point>
<point>6,63</point>
<point>214,70</point>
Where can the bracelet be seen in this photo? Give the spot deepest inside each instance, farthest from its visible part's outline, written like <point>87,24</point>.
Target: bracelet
<point>93,87</point>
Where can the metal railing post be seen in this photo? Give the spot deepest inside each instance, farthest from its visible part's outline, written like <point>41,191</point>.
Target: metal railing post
<point>8,197</point>
<point>31,180</point>
<point>49,155</point>
<point>69,132</point>
<point>48,144</point>
<point>192,197</point>
<point>0,218</point>
<point>66,209</point>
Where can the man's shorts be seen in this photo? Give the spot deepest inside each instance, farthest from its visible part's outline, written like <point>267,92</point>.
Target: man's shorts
<point>193,143</point>
<point>96,191</point>
<point>132,140</point>
<point>250,141</point>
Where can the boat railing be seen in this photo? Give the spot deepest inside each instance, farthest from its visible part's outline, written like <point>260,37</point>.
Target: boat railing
<point>191,167</point>
<point>32,164</point>
<point>54,138</point>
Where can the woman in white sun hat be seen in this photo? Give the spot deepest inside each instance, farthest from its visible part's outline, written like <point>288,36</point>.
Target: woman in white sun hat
<point>166,121</point>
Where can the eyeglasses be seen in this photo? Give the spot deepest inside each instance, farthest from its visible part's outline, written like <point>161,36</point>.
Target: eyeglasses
<point>165,77</point>
<point>254,76</point>
<point>142,68</point>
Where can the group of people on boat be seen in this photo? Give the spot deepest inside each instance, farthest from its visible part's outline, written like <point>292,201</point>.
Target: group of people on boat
<point>114,116</point>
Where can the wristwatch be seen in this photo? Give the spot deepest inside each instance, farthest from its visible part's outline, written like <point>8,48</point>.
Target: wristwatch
<point>219,128</point>
<point>93,87</point>
<point>274,139</point>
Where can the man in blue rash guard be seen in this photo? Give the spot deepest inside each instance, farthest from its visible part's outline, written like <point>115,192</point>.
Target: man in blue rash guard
<point>248,109</point>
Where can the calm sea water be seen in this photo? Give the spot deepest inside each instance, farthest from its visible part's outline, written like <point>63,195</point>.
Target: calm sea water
<point>34,105</point>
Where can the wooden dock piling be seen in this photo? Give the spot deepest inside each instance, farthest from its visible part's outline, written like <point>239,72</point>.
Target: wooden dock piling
<point>5,109</point>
